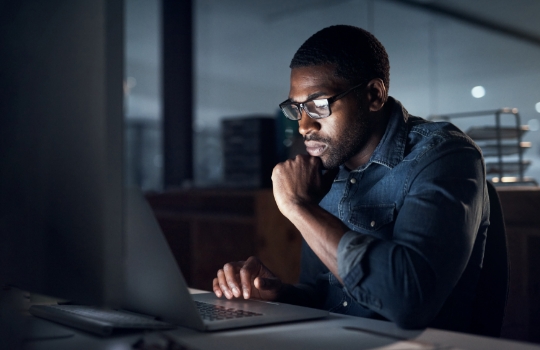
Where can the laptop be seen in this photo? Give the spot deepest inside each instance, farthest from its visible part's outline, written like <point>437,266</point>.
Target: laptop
<point>155,286</point>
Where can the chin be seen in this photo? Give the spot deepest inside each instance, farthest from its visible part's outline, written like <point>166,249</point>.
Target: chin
<point>328,164</point>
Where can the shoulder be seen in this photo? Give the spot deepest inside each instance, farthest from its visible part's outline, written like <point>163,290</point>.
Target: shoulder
<point>425,137</point>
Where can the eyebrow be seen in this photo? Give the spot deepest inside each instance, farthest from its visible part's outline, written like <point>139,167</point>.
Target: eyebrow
<point>309,98</point>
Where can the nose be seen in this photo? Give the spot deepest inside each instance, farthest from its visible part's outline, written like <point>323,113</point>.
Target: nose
<point>307,124</point>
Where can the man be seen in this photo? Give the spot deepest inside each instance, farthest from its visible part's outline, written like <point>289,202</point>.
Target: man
<point>393,209</point>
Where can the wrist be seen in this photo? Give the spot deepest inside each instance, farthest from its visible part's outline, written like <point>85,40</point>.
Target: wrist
<point>296,210</point>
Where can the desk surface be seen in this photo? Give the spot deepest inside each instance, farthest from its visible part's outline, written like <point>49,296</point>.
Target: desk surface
<point>334,332</point>
<point>20,330</point>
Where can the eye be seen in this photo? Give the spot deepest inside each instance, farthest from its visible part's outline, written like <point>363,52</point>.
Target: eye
<point>318,108</point>
<point>321,103</point>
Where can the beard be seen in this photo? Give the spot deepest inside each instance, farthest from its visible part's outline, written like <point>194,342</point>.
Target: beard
<point>349,143</point>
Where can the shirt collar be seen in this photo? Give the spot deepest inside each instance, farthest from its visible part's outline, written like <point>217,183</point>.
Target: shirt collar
<point>390,150</point>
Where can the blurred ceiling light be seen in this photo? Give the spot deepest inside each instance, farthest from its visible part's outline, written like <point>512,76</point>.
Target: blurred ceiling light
<point>537,107</point>
<point>478,91</point>
<point>533,124</point>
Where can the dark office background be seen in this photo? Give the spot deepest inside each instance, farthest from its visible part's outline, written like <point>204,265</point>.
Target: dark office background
<point>191,64</point>
<point>439,51</point>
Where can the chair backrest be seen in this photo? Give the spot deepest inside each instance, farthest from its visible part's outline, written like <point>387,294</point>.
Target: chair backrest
<point>492,290</point>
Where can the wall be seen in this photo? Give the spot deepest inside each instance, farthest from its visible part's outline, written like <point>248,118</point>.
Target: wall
<point>243,49</point>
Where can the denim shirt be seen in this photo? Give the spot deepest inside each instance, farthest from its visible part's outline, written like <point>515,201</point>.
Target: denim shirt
<point>418,212</point>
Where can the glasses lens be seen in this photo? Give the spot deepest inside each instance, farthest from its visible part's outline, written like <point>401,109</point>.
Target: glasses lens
<point>291,111</point>
<point>318,108</point>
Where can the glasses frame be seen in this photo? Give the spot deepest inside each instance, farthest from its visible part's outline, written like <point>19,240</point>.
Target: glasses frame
<point>302,105</point>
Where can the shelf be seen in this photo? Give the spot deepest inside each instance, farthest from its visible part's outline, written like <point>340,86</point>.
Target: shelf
<point>508,167</point>
<point>490,132</point>
<point>502,142</point>
<point>491,149</point>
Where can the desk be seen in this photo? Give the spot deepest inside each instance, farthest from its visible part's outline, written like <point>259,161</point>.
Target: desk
<point>334,332</point>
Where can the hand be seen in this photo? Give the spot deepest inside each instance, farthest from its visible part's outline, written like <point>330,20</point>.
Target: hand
<point>250,279</point>
<point>301,181</point>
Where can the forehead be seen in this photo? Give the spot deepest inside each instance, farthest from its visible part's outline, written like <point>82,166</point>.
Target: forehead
<point>321,79</point>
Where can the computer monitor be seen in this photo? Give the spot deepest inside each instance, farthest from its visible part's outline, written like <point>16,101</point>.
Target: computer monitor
<point>61,148</point>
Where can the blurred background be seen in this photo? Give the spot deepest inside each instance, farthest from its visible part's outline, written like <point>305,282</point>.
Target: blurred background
<point>445,56</point>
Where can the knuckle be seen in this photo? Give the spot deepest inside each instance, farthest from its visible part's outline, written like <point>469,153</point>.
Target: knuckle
<point>244,272</point>
<point>255,262</point>
<point>278,170</point>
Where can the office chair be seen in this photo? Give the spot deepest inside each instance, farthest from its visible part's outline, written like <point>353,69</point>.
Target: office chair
<point>492,290</point>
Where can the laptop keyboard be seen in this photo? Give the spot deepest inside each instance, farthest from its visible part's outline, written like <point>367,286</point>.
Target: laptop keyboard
<point>211,312</point>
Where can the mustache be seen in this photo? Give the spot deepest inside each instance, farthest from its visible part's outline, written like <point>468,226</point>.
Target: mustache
<point>316,138</point>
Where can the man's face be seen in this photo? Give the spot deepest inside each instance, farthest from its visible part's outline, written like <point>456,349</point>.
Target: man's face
<point>344,133</point>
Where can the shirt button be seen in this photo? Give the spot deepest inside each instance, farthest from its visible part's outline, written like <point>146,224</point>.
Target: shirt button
<point>345,303</point>
<point>372,224</point>
<point>353,180</point>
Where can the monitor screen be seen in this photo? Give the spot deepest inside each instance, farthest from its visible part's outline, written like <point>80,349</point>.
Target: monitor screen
<point>61,76</point>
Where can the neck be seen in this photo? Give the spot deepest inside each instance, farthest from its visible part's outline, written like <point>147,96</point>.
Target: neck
<point>380,122</point>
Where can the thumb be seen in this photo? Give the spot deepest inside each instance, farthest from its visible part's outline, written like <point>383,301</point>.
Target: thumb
<point>263,283</point>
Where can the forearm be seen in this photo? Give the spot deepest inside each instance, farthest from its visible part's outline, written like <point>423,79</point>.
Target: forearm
<point>321,230</point>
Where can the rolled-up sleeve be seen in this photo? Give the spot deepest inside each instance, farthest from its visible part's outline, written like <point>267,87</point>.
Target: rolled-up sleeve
<point>351,250</point>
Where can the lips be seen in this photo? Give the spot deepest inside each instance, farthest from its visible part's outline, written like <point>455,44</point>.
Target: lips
<point>315,148</point>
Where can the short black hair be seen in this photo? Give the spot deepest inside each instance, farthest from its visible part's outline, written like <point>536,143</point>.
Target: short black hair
<point>358,56</point>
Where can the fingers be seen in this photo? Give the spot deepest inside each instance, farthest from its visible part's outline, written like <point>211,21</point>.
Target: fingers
<point>224,284</point>
<point>248,272</point>
<point>235,280</point>
<point>228,281</point>
<point>216,288</point>
<point>220,285</point>
<point>231,280</point>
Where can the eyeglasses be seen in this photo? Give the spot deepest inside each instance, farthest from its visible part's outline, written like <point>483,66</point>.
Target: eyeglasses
<point>316,109</point>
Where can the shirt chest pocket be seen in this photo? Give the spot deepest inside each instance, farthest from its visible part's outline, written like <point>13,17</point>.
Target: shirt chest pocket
<point>375,220</point>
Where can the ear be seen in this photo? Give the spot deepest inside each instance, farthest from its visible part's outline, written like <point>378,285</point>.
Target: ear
<point>376,94</point>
